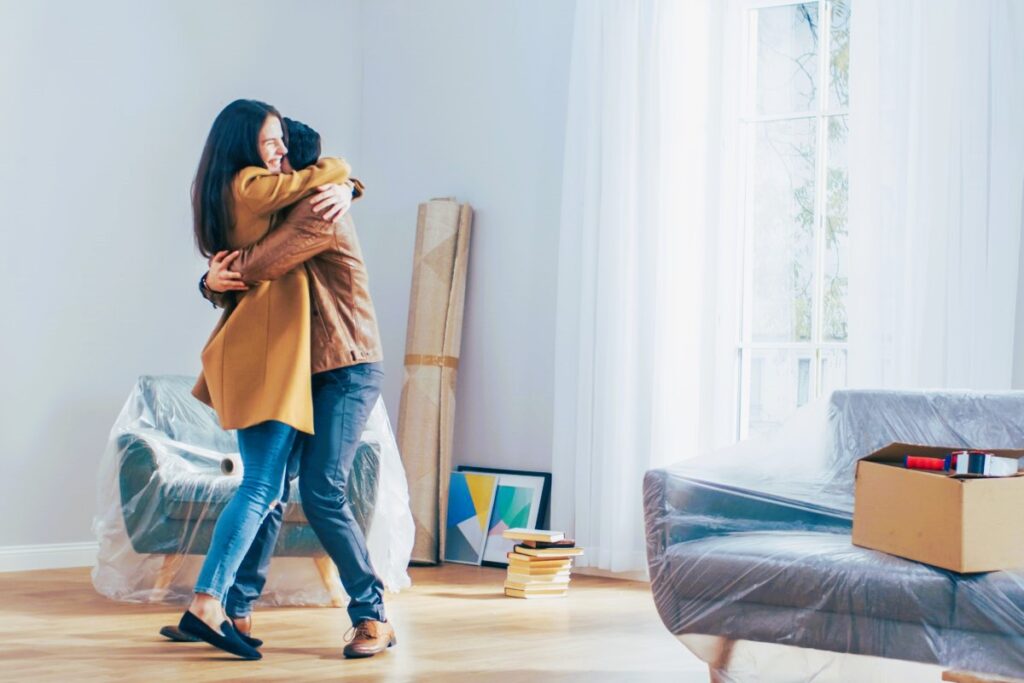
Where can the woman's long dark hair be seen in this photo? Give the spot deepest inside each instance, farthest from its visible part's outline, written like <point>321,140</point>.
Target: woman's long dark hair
<point>233,144</point>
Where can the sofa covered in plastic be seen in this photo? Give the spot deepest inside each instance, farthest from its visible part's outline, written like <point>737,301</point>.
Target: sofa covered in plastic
<point>753,543</point>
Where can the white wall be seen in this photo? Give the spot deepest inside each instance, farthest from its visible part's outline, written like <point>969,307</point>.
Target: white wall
<point>104,107</point>
<point>467,99</point>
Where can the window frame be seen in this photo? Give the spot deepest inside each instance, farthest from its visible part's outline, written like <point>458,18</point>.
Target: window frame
<point>745,126</point>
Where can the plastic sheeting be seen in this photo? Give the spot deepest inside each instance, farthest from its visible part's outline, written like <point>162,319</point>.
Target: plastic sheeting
<point>169,469</point>
<point>752,544</point>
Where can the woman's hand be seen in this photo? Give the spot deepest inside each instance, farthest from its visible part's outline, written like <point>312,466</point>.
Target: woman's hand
<point>333,200</point>
<point>220,278</point>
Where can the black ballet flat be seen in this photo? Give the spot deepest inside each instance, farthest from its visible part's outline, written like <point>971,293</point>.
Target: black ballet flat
<point>229,642</point>
<point>249,640</point>
<point>177,635</point>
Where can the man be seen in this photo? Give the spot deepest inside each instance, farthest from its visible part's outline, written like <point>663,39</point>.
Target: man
<point>346,356</point>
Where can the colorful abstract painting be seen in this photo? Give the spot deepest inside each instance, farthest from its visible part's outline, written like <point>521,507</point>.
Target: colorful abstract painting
<point>519,503</point>
<point>470,501</point>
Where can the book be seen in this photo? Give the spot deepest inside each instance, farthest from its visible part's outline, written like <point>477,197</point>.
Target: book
<point>564,543</point>
<point>538,562</point>
<point>533,535</point>
<point>537,587</point>
<point>528,588</point>
<point>542,573</point>
<point>549,580</point>
<point>530,595</point>
<point>548,552</point>
<point>527,570</point>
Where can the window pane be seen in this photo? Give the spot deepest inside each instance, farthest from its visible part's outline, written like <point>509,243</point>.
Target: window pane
<point>780,382</point>
<point>839,57</point>
<point>837,251</point>
<point>787,58</point>
<point>833,370</point>
<point>783,230</point>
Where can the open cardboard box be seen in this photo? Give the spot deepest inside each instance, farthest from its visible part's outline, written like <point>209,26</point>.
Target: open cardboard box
<point>963,524</point>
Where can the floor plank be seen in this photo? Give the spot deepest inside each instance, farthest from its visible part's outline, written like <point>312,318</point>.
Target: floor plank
<point>453,625</point>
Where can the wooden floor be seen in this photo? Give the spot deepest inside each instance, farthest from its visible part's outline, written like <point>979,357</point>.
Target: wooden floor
<point>454,625</point>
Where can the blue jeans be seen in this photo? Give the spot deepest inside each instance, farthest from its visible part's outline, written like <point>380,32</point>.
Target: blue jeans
<point>265,450</point>
<point>342,402</point>
<point>252,574</point>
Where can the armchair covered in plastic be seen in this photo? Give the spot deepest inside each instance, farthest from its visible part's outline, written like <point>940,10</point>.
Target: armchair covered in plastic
<point>168,471</point>
<point>751,545</point>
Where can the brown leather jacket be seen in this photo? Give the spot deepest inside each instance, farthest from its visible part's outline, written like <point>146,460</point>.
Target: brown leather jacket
<point>344,325</point>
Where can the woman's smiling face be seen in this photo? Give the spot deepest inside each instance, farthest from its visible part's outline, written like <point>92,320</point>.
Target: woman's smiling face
<point>271,144</point>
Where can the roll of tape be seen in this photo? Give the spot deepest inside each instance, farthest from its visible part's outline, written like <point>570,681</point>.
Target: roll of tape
<point>231,465</point>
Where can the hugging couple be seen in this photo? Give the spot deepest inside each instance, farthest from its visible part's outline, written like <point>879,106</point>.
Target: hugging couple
<point>296,348</point>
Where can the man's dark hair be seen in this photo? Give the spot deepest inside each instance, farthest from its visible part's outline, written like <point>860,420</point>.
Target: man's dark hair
<point>303,144</point>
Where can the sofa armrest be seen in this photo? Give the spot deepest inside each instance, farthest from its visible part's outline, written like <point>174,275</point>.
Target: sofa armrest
<point>138,483</point>
<point>656,513</point>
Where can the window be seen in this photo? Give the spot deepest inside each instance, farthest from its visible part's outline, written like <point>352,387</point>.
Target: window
<point>793,128</point>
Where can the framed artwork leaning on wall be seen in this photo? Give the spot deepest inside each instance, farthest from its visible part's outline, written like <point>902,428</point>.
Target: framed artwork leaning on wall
<point>522,500</point>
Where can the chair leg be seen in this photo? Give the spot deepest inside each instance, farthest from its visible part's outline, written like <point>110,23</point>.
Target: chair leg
<point>168,570</point>
<point>332,581</point>
<point>718,668</point>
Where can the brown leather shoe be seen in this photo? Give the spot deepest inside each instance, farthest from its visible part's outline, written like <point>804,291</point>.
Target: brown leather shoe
<point>368,638</point>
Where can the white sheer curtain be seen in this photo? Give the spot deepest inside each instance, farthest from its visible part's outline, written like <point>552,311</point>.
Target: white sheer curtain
<point>936,183</point>
<point>635,316</point>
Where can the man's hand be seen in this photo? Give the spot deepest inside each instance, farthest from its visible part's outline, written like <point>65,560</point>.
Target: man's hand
<point>333,200</point>
<point>220,278</point>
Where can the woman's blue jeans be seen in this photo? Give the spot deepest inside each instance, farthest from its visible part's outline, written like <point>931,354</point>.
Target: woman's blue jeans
<point>342,402</point>
<point>265,449</point>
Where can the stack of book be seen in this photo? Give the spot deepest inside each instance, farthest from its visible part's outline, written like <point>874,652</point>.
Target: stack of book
<point>540,565</point>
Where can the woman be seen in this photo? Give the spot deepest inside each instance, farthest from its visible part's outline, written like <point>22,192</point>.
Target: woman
<point>266,396</point>
<point>346,374</point>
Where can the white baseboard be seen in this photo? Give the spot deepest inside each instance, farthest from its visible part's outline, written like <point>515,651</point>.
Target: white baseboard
<point>20,558</point>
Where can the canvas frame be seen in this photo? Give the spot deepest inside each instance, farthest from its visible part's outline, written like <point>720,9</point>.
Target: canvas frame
<point>449,554</point>
<point>542,504</point>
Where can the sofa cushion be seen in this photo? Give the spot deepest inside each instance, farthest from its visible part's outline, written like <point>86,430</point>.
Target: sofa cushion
<point>811,571</point>
<point>201,496</point>
<point>991,602</point>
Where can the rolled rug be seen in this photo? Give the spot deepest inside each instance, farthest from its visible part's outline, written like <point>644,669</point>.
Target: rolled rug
<point>426,416</point>
<point>231,465</point>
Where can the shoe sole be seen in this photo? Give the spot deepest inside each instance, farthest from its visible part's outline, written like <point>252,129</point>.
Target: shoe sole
<point>367,655</point>
<point>177,635</point>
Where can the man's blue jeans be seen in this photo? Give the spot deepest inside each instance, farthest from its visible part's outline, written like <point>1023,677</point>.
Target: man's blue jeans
<point>342,402</point>
<point>265,450</point>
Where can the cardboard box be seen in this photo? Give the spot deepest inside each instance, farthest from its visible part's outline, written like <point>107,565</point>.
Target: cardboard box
<point>963,524</point>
